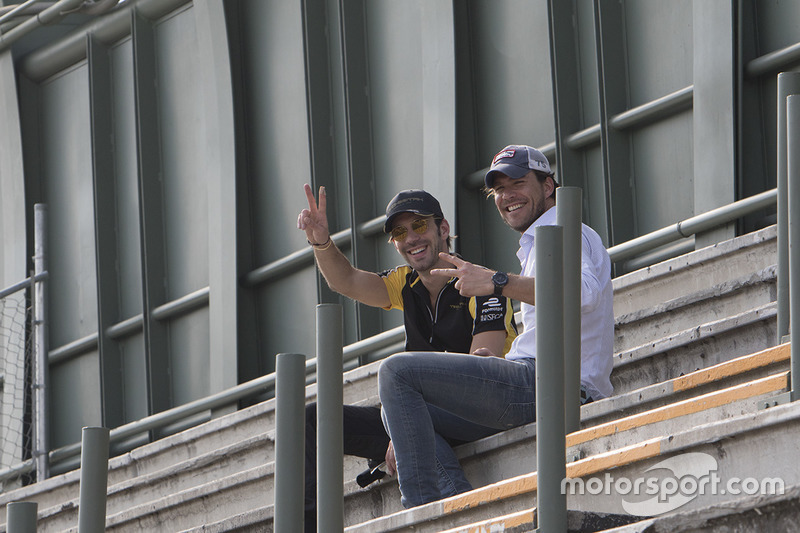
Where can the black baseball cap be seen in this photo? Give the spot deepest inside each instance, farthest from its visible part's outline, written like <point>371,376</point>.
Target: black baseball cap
<point>412,201</point>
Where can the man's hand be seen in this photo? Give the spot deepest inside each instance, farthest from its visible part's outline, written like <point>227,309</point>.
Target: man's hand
<point>391,461</point>
<point>314,220</point>
<point>473,280</point>
<point>485,352</point>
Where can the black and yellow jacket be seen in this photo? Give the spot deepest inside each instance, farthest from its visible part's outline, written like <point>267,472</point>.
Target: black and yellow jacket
<point>450,326</point>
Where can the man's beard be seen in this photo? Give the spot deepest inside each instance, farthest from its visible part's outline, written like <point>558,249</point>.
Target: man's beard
<point>539,210</point>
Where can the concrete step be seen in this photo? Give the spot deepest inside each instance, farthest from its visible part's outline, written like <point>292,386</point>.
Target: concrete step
<point>747,447</point>
<point>513,452</point>
<point>695,272</point>
<point>694,348</point>
<point>749,514</point>
<point>246,436</point>
<point>252,452</point>
<point>525,521</point>
<point>711,304</point>
<point>722,375</point>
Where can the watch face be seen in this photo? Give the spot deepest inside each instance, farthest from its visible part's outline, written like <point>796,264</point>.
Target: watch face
<point>500,278</point>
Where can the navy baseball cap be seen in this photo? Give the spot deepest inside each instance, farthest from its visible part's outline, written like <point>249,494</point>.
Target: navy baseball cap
<point>515,161</point>
<point>412,201</point>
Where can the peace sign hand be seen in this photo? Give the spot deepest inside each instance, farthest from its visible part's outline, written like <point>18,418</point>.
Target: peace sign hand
<point>314,220</point>
<point>473,280</point>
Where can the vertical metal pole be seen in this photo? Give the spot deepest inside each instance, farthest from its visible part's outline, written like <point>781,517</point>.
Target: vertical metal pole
<point>290,426</point>
<point>569,203</point>
<point>330,442</point>
<point>793,204</point>
<point>41,440</point>
<point>21,517</point>
<point>94,480</point>
<point>788,83</point>
<point>551,507</point>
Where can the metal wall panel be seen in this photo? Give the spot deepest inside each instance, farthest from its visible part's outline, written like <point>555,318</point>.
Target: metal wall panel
<point>659,47</point>
<point>185,200</point>
<point>185,183</point>
<point>512,103</point>
<point>66,162</point>
<point>129,267</point>
<point>64,152</point>
<point>13,253</point>
<point>776,21</point>
<point>659,53</point>
<point>399,46</point>
<point>716,102</point>
<point>270,76</point>
<point>663,168</point>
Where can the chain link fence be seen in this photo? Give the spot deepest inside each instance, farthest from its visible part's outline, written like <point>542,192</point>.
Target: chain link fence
<point>16,392</point>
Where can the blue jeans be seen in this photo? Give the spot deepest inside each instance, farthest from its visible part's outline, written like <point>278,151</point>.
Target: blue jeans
<point>428,398</point>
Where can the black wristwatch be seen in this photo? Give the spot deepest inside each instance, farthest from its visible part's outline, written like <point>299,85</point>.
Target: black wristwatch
<point>500,280</point>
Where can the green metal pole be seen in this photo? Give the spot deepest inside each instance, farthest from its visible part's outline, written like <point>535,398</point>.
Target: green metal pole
<point>21,517</point>
<point>330,441</point>
<point>94,480</point>
<point>788,83</point>
<point>793,193</point>
<point>41,334</point>
<point>289,441</point>
<point>569,202</point>
<point>551,507</point>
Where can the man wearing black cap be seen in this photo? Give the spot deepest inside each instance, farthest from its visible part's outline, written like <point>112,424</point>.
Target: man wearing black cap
<point>436,317</point>
<point>481,396</point>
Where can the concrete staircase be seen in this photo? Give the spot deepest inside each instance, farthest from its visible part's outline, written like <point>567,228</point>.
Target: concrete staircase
<point>696,360</point>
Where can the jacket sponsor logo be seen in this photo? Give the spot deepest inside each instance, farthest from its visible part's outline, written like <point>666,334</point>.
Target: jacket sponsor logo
<point>492,309</point>
<point>493,302</point>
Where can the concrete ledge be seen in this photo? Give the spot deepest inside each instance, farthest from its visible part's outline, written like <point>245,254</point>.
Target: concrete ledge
<point>524,521</point>
<point>760,428</point>
<point>723,299</point>
<point>698,347</point>
<point>753,514</point>
<point>694,271</point>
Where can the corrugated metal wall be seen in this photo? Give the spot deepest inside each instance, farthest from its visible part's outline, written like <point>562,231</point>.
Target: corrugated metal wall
<point>171,140</point>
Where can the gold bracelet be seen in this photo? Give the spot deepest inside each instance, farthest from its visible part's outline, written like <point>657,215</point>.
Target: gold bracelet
<point>321,246</point>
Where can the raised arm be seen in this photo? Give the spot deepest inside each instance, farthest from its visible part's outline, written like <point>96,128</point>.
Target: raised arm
<point>341,275</point>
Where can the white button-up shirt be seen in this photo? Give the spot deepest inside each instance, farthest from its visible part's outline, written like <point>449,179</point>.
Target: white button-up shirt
<point>597,315</point>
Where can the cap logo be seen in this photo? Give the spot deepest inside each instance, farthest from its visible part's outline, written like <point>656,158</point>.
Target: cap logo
<point>540,164</point>
<point>402,201</point>
<point>503,154</point>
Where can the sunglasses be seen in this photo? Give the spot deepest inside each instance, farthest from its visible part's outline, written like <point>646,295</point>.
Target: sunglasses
<point>419,226</point>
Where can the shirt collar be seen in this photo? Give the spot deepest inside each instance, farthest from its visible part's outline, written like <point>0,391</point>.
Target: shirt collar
<point>548,218</point>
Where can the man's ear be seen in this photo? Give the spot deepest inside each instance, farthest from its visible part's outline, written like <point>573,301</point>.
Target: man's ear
<point>444,229</point>
<point>550,187</point>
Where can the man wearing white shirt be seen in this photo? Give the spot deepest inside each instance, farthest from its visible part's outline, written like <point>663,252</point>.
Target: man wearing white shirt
<point>427,397</point>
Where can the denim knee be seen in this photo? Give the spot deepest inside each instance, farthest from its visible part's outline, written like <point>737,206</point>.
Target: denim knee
<point>391,367</point>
